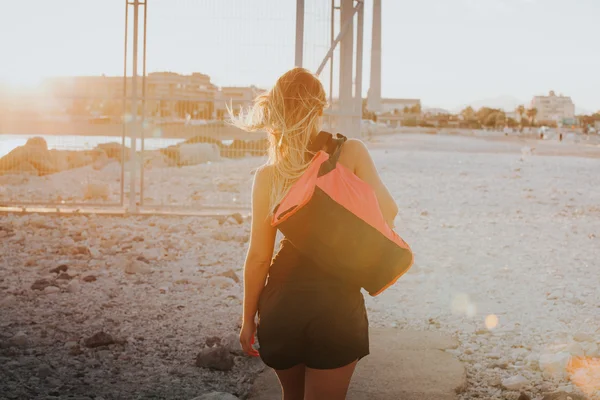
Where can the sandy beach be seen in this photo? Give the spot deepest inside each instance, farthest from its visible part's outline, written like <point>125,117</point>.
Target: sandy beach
<point>506,235</point>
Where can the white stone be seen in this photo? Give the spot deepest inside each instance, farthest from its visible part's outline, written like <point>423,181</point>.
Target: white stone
<point>575,350</point>
<point>51,289</point>
<point>137,267</point>
<point>583,337</point>
<point>555,365</point>
<point>152,254</point>
<point>198,153</point>
<point>515,382</point>
<point>221,282</point>
<point>590,349</point>
<point>73,286</point>
<point>96,190</point>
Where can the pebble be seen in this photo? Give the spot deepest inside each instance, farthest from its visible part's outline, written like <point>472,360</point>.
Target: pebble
<point>20,339</point>
<point>137,267</point>
<point>59,269</point>
<point>218,358</point>
<point>89,278</point>
<point>583,337</point>
<point>216,396</point>
<point>73,286</point>
<point>44,371</point>
<point>51,289</point>
<point>515,382</point>
<point>99,339</point>
<point>40,284</point>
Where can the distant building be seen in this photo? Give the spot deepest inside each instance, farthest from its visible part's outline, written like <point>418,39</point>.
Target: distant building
<point>399,105</point>
<point>168,95</point>
<point>553,108</point>
<point>235,97</point>
<point>174,95</point>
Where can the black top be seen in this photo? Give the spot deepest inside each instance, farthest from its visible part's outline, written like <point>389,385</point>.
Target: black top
<point>289,265</point>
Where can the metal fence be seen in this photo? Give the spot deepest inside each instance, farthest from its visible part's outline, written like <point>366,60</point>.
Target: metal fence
<point>134,115</point>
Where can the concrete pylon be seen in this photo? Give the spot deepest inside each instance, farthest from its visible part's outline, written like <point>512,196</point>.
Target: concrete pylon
<point>374,93</point>
<point>346,64</point>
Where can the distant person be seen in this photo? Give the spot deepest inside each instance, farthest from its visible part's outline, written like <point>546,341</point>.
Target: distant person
<point>312,328</point>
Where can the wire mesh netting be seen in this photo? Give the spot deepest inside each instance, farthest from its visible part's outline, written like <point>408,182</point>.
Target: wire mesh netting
<point>60,135</point>
<point>77,128</point>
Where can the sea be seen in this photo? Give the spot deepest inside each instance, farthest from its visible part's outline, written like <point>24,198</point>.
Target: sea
<point>74,142</point>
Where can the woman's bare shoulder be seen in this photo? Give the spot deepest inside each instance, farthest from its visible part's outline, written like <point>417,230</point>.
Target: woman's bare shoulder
<point>354,153</point>
<point>263,175</point>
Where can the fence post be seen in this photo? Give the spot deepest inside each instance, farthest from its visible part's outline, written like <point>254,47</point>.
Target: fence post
<point>299,32</point>
<point>346,64</point>
<point>359,68</point>
<point>134,100</point>
<point>374,97</point>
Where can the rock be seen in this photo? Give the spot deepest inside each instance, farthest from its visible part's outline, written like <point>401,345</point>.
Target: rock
<point>64,276</point>
<point>523,396</point>
<point>583,337</point>
<point>73,286</point>
<point>89,278</point>
<point>96,190</point>
<point>591,349</point>
<point>137,267</point>
<point>59,269</point>
<point>238,218</point>
<point>44,371</point>
<point>515,382</point>
<point>562,396</point>
<point>555,364</point>
<point>51,289</point>
<point>20,339</point>
<point>217,358</point>
<point>40,284</point>
<point>99,339</point>
<point>212,341</point>
<point>575,350</point>
<point>216,396</point>
<point>152,254</point>
<point>114,150</point>
<point>232,343</point>
<point>221,282</point>
<point>75,350</point>
<point>230,274</point>
<point>34,159</point>
<point>81,250</point>
<point>196,153</point>
<point>499,364</point>
<point>37,142</point>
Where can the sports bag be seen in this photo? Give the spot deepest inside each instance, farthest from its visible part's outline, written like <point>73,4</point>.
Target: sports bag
<point>332,217</point>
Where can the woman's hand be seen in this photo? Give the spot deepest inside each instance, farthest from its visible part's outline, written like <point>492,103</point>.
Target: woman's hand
<point>247,338</point>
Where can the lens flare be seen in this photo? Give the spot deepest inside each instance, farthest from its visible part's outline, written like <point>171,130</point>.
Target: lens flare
<point>491,321</point>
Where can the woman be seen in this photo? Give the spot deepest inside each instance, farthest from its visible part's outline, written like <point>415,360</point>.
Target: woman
<point>312,328</point>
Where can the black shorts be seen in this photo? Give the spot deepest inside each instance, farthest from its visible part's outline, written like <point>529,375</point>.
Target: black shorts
<point>323,328</point>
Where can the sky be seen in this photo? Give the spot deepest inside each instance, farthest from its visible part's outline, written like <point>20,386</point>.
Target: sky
<point>445,52</point>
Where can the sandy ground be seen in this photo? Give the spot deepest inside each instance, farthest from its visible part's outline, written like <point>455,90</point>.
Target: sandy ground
<point>507,243</point>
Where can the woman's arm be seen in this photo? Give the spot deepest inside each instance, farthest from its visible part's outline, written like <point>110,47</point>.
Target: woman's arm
<point>262,242</point>
<point>365,169</point>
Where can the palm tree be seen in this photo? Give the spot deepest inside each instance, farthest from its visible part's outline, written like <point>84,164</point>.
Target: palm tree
<point>521,111</point>
<point>531,113</point>
<point>468,113</point>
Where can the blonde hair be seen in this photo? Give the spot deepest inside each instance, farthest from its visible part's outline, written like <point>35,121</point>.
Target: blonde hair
<point>290,113</point>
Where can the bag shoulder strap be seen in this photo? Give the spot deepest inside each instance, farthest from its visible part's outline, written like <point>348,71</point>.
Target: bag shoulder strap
<point>334,150</point>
